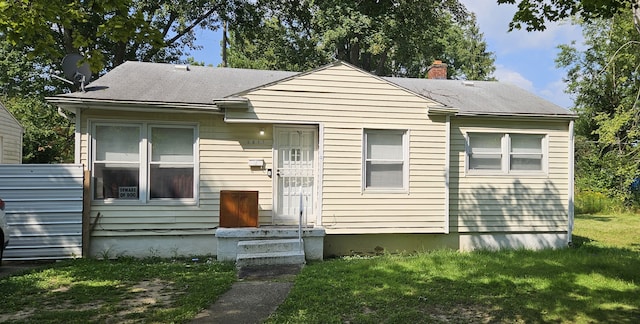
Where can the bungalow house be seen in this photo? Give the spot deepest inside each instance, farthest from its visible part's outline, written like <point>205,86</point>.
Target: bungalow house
<point>193,160</point>
<point>11,133</point>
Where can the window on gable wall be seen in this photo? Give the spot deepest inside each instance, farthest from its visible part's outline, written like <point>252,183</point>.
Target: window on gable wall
<point>506,153</point>
<point>385,159</point>
<point>142,162</point>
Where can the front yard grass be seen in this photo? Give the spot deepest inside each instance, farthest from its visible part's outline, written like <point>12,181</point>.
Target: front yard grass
<point>595,281</point>
<point>114,291</point>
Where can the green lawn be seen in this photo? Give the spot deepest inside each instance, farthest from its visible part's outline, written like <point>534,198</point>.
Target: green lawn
<point>596,281</point>
<point>114,291</point>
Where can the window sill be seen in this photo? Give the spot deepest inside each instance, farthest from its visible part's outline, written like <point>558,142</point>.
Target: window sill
<point>117,202</point>
<point>385,191</point>
<point>532,174</point>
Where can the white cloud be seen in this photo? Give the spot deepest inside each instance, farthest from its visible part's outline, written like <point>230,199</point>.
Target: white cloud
<point>525,58</point>
<point>494,19</point>
<point>506,75</point>
<point>554,92</point>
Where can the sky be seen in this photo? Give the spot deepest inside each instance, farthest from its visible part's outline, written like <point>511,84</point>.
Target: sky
<point>526,59</point>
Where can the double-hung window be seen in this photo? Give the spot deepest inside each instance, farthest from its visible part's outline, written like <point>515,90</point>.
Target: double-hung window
<point>506,153</point>
<point>526,152</point>
<point>385,159</point>
<point>143,162</point>
<point>485,151</point>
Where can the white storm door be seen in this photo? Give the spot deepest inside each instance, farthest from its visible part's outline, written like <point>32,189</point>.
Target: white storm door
<point>294,175</point>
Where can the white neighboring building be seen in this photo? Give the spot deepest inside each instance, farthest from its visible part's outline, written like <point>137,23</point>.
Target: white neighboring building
<point>11,133</point>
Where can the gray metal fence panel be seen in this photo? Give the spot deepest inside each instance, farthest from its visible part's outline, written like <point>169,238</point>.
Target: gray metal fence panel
<point>44,210</point>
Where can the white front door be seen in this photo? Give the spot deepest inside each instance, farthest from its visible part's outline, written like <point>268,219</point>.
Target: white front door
<point>294,175</point>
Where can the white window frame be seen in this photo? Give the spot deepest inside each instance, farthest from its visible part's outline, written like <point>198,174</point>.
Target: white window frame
<point>505,164</point>
<point>405,160</point>
<point>145,162</point>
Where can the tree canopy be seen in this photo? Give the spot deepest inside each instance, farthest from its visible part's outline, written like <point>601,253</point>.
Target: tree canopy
<point>534,15</point>
<point>35,35</point>
<point>109,32</point>
<point>605,81</point>
<point>388,37</point>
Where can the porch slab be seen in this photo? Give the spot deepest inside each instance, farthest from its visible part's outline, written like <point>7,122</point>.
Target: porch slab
<point>228,239</point>
<point>269,258</point>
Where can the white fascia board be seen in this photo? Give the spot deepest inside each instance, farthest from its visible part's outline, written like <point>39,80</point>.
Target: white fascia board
<point>130,105</point>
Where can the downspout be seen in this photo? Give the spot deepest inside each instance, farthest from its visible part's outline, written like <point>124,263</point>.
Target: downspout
<point>570,203</point>
<point>78,137</point>
<point>76,131</point>
<point>319,177</point>
<point>447,169</point>
<point>21,141</point>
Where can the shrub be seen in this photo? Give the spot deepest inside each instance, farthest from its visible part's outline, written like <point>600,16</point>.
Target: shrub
<point>592,202</point>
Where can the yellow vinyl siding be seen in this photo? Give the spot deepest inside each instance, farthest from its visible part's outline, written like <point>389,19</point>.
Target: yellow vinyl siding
<point>342,102</point>
<point>516,202</point>
<point>11,137</point>
<point>224,152</point>
<point>346,101</point>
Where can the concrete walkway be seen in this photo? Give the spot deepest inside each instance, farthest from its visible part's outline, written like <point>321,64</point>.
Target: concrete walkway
<point>258,293</point>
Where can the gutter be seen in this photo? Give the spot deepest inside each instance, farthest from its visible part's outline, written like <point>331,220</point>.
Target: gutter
<point>441,110</point>
<point>515,116</point>
<point>72,103</point>
<point>232,103</point>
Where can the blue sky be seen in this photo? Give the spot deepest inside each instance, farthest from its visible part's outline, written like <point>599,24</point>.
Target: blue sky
<point>526,59</point>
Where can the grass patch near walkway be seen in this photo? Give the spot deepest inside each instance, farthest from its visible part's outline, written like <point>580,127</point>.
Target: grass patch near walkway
<point>114,291</point>
<point>595,281</point>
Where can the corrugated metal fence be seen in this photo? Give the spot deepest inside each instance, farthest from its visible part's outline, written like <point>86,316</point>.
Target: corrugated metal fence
<point>44,210</point>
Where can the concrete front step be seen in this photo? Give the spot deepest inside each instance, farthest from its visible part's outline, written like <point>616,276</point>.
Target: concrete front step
<point>270,258</point>
<point>266,246</point>
<point>228,239</point>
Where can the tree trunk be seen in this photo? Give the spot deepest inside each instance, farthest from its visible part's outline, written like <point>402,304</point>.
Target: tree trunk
<point>119,53</point>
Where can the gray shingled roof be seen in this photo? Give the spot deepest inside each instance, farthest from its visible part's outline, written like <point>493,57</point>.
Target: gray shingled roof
<point>482,97</point>
<point>157,82</point>
<point>164,83</point>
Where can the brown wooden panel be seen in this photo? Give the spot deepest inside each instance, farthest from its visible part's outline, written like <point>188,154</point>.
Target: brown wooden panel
<point>228,209</point>
<point>238,208</point>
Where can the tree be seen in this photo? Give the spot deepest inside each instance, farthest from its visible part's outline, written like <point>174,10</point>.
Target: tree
<point>48,136</point>
<point>35,35</point>
<point>108,32</point>
<point>389,37</point>
<point>535,14</point>
<point>466,49</point>
<point>605,80</point>
<point>22,75</point>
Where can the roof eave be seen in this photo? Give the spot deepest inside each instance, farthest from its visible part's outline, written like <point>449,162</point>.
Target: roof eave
<point>132,105</point>
<point>515,115</point>
<point>232,103</point>
<point>442,110</point>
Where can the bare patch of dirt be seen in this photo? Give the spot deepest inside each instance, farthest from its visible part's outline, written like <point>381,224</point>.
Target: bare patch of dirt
<point>140,298</point>
<point>460,314</point>
<point>20,315</point>
<point>148,294</point>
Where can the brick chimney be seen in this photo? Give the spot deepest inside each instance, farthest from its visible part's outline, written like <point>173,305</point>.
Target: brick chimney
<point>437,70</point>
